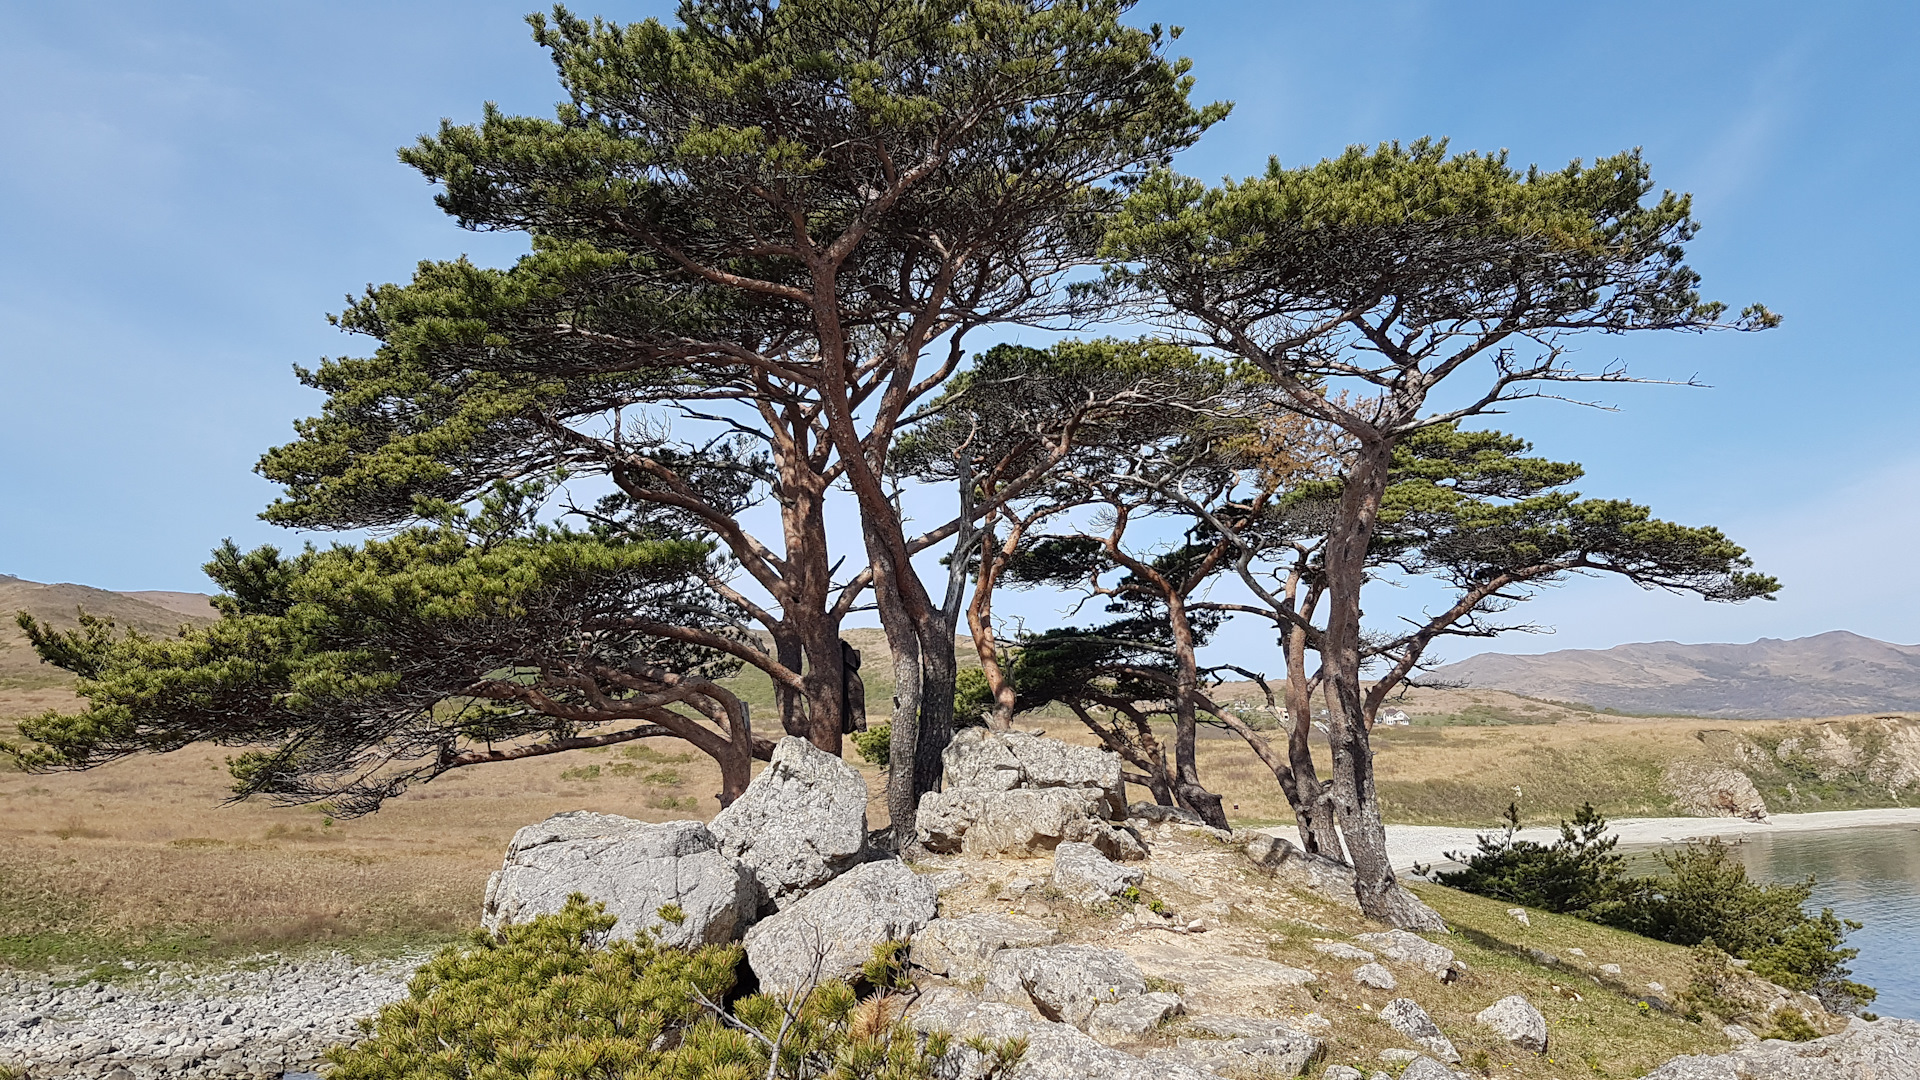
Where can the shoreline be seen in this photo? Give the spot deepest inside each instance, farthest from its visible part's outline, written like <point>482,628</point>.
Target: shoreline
<point>1429,844</point>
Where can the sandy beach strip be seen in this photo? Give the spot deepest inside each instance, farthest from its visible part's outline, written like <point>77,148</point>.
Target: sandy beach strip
<point>1429,844</point>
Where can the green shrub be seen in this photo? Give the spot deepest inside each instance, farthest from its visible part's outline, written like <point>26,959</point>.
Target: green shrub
<point>554,1000</point>
<point>1577,874</point>
<point>1703,898</point>
<point>874,744</point>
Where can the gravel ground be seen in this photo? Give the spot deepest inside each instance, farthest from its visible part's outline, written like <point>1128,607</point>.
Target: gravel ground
<point>251,1021</point>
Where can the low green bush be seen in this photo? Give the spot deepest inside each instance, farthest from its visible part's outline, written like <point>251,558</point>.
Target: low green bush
<point>1703,898</point>
<point>553,999</point>
<point>875,744</point>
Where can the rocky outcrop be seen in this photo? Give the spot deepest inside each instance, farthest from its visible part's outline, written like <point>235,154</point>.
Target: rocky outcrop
<point>1405,947</point>
<point>1063,982</point>
<point>962,948</point>
<point>799,823</point>
<point>1283,1053</point>
<point>1704,789</point>
<point>1405,1016</point>
<point>1020,795</point>
<point>831,932</point>
<point>1130,1018</point>
<point>635,868</point>
<point>1867,1050</point>
<point>1012,760</point>
<point>1054,1051</point>
<point>1514,1019</point>
<point>1020,823</point>
<point>1083,873</point>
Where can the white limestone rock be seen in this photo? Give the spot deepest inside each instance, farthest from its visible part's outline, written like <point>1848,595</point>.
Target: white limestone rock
<point>1063,982</point>
<point>802,821</point>
<point>633,867</point>
<point>961,948</point>
<point>1081,872</point>
<point>1055,1051</point>
<point>1021,822</point>
<point>1405,1016</point>
<point>1515,1019</point>
<point>1406,947</point>
<point>1130,1018</point>
<point>1375,976</point>
<point>830,932</point>
<point>1886,1049</point>
<point>1340,950</point>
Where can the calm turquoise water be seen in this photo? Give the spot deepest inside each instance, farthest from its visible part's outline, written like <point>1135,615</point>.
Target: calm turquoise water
<point>1869,875</point>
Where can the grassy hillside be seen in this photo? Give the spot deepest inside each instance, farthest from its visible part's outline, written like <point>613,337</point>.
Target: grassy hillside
<point>149,613</point>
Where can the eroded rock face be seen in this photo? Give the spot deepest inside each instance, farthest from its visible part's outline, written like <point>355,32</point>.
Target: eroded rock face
<point>1083,873</point>
<point>1515,1019</point>
<point>961,948</point>
<point>802,821</point>
<point>633,867</point>
<point>1063,982</point>
<point>831,932</point>
<point>1405,1016</point>
<point>1021,822</point>
<point>1055,1051</point>
<point>1868,1050</point>
<point>1709,790</point>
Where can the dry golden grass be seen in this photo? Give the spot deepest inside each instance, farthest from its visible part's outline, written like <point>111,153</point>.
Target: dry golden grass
<point>145,856</point>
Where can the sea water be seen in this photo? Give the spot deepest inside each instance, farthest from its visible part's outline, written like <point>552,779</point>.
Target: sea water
<point>1870,875</point>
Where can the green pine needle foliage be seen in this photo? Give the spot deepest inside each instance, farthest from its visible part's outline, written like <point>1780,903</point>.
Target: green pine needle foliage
<point>554,999</point>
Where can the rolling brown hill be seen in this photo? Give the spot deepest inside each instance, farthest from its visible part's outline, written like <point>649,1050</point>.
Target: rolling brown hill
<point>1829,674</point>
<point>149,613</point>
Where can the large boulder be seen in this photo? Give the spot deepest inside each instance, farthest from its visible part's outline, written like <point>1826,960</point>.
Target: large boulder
<point>1063,982</point>
<point>1054,1051</point>
<point>1867,1050</point>
<point>830,932</point>
<point>1515,1019</point>
<point>1084,874</point>
<point>635,868</point>
<point>802,821</point>
<point>1021,822</point>
<point>961,948</point>
<point>1406,947</point>
<point>1405,1016</point>
<point>1004,761</point>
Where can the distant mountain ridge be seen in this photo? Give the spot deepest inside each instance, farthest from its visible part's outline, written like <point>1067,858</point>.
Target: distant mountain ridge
<point>1832,674</point>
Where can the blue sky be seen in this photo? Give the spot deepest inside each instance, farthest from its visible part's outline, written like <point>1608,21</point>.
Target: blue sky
<point>189,187</point>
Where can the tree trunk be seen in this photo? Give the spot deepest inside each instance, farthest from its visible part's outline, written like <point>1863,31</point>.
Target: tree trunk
<point>1355,798</point>
<point>1311,799</point>
<point>938,671</point>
